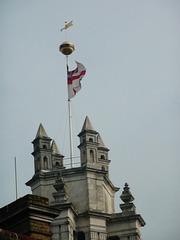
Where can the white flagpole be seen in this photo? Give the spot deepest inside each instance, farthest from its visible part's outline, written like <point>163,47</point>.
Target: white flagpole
<point>70,134</point>
<point>67,48</point>
<point>15,177</point>
<point>70,125</point>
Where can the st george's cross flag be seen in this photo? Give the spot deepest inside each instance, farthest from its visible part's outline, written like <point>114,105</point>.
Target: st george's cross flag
<point>74,80</point>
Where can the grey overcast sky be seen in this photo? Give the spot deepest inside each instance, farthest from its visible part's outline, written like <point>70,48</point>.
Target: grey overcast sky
<point>131,93</point>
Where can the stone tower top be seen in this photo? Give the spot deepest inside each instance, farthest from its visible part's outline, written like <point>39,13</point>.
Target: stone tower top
<point>100,141</point>
<point>41,132</point>
<point>94,153</point>
<point>84,194</point>
<point>55,149</point>
<point>47,156</point>
<point>87,125</point>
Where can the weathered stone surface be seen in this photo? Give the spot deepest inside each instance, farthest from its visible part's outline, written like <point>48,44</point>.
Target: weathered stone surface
<point>29,215</point>
<point>87,201</point>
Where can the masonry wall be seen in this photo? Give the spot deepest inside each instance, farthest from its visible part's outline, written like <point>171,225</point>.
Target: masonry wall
<point>30,215</point>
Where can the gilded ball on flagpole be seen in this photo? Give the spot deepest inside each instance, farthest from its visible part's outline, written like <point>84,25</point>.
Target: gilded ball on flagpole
<point>66,48</point>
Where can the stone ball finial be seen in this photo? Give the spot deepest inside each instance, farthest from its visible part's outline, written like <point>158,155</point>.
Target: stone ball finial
<point>126,195</point>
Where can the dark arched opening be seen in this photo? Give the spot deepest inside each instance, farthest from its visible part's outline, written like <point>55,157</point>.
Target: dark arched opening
<point>80,236</point>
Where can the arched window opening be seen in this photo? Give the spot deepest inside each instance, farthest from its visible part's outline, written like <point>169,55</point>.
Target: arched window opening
<point>45,163</point>
<point>57,164</point>
<point>91,140</point>
<point>44,147</point>
<point>92,155</point>
<point>102,157</point>
<point>80,236</point>
<point>74,235</point>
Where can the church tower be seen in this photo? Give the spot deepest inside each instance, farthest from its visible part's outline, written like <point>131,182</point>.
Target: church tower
<point>85,194</point>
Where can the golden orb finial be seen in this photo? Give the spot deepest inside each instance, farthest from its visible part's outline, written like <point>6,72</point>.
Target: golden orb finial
<point>66,48</point>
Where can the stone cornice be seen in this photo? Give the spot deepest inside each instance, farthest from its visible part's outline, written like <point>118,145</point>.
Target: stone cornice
<point>120,217</point>
<point>95,213</point>
<point>111,184</point>
<point>66,206</point>
<point>29,205</point>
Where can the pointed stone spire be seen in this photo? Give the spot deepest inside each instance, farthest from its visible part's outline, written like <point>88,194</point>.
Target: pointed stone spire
<point>41,132</point>
<point>100,141</point>
<point>87,125</point>
<point>55,149</point>
<point>57,157</point>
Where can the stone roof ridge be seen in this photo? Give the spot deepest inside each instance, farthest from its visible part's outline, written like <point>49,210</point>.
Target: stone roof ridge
<point>55,148</point>
<point>41,132</point>
<point>87,125</point>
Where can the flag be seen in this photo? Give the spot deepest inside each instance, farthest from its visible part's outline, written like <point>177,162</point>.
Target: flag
<point>74,80</point>
<point>67,25</point>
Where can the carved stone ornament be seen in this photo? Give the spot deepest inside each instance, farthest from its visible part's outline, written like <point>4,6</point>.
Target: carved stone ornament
<point>126,195</point>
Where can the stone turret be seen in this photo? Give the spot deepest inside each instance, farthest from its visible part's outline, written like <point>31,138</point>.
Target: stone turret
<point>42,150</point>
<point>93,152</point>
<point>47,156</point>
<point>57,157</point>
<point>47,161</point>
